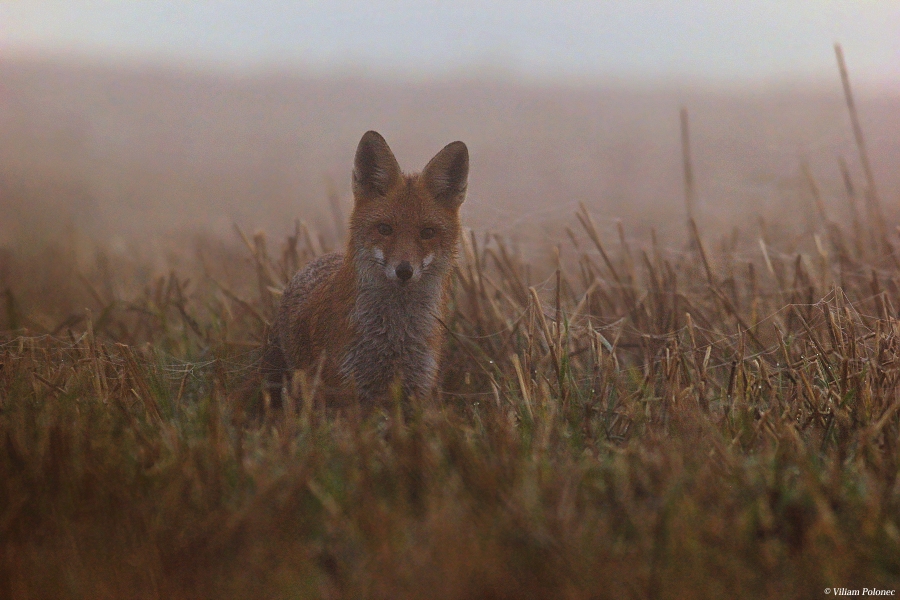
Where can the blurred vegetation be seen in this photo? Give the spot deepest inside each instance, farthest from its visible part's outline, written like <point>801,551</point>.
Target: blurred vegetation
<point>615,420</point>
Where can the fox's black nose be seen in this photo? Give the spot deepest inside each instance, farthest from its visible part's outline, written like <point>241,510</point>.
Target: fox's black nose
<point>404,271</point>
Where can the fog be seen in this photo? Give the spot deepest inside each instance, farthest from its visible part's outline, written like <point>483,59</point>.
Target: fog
<point>755,40</point>
<point>127,121</point>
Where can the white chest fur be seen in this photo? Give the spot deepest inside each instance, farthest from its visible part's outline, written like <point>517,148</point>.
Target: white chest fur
<point>393,329</point>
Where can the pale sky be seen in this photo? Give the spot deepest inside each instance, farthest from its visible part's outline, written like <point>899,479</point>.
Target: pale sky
<point>739,41</point>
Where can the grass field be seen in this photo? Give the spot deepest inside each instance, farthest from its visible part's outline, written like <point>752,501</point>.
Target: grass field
<point>640,422</point>
<point>619,416</point>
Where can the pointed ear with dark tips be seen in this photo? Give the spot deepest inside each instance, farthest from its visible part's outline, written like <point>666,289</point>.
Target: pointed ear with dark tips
<point>375,170</point>
<point>447,174</point>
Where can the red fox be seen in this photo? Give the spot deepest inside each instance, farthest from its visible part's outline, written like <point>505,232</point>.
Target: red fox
<point>372,314</point>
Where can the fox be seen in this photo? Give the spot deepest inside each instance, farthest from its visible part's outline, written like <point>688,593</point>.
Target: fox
<point>369,320</point>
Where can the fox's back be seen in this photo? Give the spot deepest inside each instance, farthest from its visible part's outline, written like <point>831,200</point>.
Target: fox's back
<point>307,280</point>
<point>299,305</point>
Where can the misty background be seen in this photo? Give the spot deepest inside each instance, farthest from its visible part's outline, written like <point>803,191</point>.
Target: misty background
<point>130,121</point>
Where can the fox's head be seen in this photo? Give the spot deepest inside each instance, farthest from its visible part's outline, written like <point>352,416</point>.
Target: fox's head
<point>405,228</point>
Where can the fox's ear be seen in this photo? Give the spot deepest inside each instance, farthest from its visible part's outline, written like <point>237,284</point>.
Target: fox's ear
<point>375,170</point>
<point>447,174</point>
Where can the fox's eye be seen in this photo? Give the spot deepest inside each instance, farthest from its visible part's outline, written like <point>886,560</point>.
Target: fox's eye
<point>427,233</point>
<point>385,229</point>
